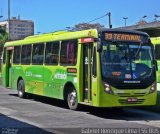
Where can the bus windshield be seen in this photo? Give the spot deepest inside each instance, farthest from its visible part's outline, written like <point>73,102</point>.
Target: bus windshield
<point>127,63</point>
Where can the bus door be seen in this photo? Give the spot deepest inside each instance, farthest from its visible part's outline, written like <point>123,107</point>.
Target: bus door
<point>87,54</point>
<point>9,67</point>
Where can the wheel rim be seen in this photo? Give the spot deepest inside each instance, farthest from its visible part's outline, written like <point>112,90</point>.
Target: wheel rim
<point>72,99</point>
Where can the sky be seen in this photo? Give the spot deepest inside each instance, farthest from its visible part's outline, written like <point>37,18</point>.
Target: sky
<point>53,15</point>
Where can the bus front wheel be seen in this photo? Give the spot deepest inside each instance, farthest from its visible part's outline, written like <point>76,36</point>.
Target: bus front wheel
<point>21,89</point>
<point>72,100</point>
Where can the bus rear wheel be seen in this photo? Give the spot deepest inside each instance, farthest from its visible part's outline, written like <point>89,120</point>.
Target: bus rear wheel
<point>21,89</point>
<point>72,100</point>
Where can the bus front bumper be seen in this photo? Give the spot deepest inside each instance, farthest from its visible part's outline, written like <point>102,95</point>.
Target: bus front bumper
<point>135,98</point>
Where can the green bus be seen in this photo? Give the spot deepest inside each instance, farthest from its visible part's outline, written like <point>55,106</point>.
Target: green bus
<point>156,43</point>
<point>105,68</point>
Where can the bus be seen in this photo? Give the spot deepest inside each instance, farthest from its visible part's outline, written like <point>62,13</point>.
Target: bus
<point>156,43</point>
<point>100,68</point>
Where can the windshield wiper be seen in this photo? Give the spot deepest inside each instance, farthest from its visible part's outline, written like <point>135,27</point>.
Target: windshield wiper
<point>140,46</point>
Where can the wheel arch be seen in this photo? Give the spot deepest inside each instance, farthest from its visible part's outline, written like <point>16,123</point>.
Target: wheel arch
<point>19,78</point>
<point>67,89</point>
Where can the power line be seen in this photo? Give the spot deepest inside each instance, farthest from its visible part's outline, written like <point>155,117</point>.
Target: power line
<point>108,14</point>
<point>98,18</point>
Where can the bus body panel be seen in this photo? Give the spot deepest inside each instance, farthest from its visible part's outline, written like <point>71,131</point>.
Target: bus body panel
<point>4,75</point>
<point>17,72</point>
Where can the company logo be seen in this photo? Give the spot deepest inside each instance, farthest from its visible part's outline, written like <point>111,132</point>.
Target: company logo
<point>61,76</point>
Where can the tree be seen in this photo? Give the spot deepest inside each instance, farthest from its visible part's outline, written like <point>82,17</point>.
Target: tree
<point>85,26</point>
<point>142,22</point>
<point>3,38</point>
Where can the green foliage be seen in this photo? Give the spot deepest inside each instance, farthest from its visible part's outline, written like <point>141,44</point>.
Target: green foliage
<point>85,26</point>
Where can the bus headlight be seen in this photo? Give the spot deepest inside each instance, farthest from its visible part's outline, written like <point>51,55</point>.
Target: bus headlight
<point>107,88</point>
<point>153,88</point>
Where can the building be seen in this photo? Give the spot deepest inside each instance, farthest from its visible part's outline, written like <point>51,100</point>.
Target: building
<point>17,28</point>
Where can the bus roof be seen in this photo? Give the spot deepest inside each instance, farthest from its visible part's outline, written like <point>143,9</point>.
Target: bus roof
<point>155,40</point>
<point>119,30</point>
<point>66,35</point>
<point>55,36</point>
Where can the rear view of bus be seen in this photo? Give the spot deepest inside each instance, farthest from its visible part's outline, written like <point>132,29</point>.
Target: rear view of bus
<point>127,68</point>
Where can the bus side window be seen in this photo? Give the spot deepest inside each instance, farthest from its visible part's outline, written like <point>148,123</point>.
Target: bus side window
<point>26,54</point>
<point>52,53</point>
<point>69,52</point>
<point>16,55</point>
<point>38,54</point>
<point>157,52</point>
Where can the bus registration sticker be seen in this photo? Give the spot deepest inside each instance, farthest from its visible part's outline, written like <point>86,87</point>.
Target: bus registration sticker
<point>132,100</point>
<point>128,76</point>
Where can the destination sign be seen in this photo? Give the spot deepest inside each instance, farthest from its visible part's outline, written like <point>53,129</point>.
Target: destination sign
<point>87,40</point>
<point>123,37</point>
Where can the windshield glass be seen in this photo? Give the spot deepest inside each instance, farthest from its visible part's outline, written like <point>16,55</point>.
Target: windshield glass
<point>127,62</point>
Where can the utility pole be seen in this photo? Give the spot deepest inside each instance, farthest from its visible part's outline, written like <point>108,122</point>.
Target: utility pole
<point>8,19</point>
<point>109,15</point>
<point>1,13</point>
<point>125,21</point>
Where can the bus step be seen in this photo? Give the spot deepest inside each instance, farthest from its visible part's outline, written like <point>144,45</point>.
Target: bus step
<point>86,103</point>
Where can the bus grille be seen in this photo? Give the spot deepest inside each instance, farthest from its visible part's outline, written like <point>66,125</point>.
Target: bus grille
<point>124,101</point>
<point>131,95</point>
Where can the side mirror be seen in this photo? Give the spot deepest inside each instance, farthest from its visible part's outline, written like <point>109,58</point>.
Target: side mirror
<point>99,45</point>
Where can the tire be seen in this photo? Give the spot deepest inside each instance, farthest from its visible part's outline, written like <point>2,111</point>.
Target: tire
<point>21,89</point>
<point>72,100</point>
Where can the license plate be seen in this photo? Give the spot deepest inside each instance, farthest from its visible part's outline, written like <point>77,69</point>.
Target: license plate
<point>132,99</point>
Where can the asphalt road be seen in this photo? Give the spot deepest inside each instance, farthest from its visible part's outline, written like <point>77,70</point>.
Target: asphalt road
<point>42,115</point>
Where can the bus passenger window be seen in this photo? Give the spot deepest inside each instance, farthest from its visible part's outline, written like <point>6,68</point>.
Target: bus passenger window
<point>38,54</point>
<point>52,53</point>
<point>26,54</point>
<point>69,52</point>
<point>16,56</point>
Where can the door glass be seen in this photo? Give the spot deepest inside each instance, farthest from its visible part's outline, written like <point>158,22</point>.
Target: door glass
<point>87,65</point>
<point>85,73</point>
